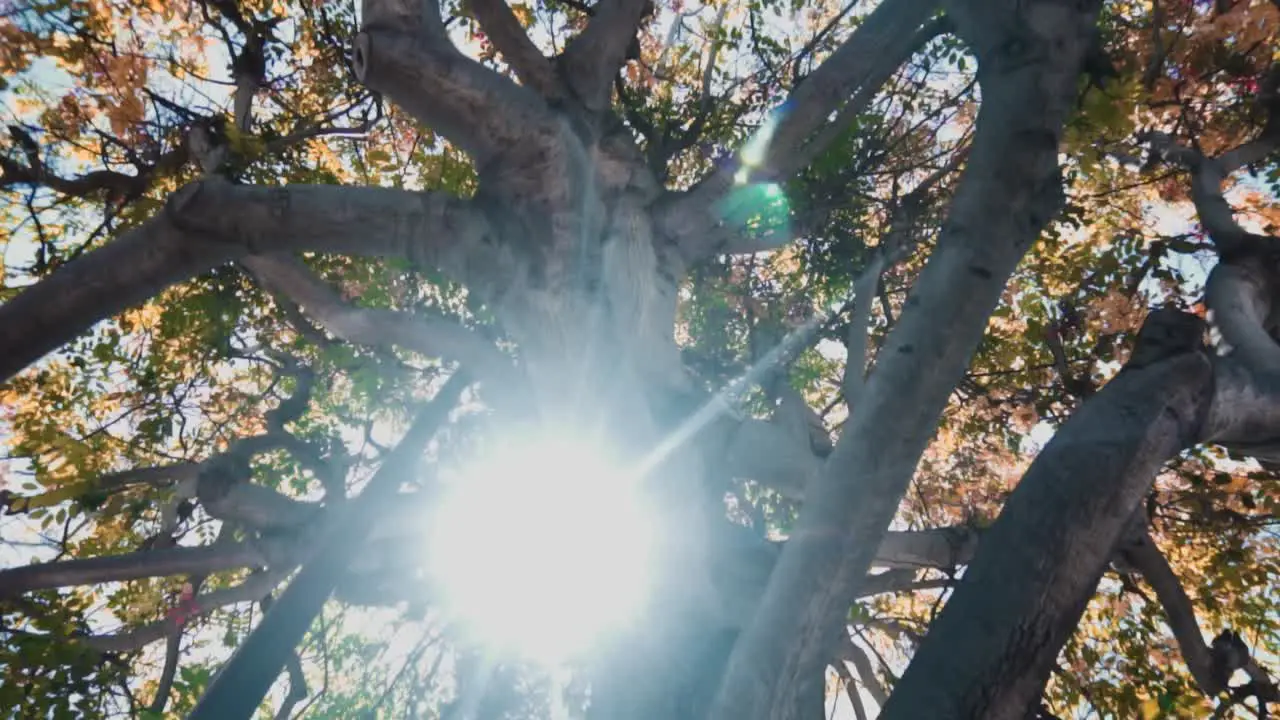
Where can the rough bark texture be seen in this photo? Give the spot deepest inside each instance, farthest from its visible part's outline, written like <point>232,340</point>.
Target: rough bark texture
<point>1030,58</point>
<point>989,654</point>
<point>196,233</point>
<point>576,248</point>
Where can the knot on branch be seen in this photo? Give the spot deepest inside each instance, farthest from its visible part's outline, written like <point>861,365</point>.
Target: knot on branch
<point>186,208</point>
<point>361,50</point>
<point>1167,333</point>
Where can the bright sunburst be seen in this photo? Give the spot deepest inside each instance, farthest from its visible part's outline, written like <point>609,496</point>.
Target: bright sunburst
<point>542,545</point>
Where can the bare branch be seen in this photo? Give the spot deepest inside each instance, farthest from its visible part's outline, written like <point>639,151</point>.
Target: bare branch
<point>864,289</point>
<point>505,32</point>
<point>307,132</point>
<point>594,57</point>
<point>297,688</point>
<point>886,39</point>
<point>253,588</point>
<point>480,111</point>
<point>866,673</point>
<point>212,222</point>
<point>247,677</point>
<point>1179,612</point>
<point>434,337</point>
<point>130,566</point>
<point>851,691</point>
<point>172,649</point>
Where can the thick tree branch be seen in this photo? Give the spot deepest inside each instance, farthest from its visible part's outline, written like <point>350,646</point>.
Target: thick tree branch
<point>487,115</point>
<point>767,453</point>
<point>940,548</point>
<point>851,691</point>
<point>882,43</point>
<point>434,337</point>
<point>1245,413</point>
<point>898,581</point>
<point>1240,293</point>
<point>212,222</point>
<point>855,368</point>
<point>594,57</point>
<point>158,476</point>
<point>164,562</point>
<point>1211,664</point>
<point>247,677</point>
<point>420,18</point>
<point>866,674</point>
<point>809,149</point>
<point>161,476</point>
<point>866,60</point>
<point>1207,176</point>
<point>258,507</point>
<point>253,588</point>
<point>898,241</point>
<point>399,525</point>
<point>172,651</point>
<point>1180,613</point>
<point>991,650</point>
<point>297,688</point>
<point>505,32</point>
<point>1209,173</point>
<point>1010,189</point>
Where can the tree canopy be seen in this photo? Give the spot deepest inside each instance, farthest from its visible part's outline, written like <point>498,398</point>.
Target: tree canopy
<point>939,337</point>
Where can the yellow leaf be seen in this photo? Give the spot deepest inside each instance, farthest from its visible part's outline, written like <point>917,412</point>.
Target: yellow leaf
<point>523,13</point>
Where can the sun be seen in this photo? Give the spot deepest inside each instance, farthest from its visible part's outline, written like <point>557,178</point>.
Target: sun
<point>542,546</point>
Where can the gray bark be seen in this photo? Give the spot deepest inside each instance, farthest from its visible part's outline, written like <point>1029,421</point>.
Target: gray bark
<point>991,651</point>
<point>375,327</point>
<point>566,243</point>
<point>594,58</point>
<point>989,654</point>
<point>196,233</point>
<point>880,45</point>
<point>118,568</point>
<point>1007,194</point>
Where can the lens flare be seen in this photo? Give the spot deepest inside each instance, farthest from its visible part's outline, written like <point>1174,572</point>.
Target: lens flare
<point>542,546</point>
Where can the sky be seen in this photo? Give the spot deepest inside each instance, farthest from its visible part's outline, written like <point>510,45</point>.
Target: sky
<point>20,543</point>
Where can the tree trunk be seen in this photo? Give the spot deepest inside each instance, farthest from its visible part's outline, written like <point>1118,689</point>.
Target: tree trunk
<point>989,654</point>
<point>1009,191</point>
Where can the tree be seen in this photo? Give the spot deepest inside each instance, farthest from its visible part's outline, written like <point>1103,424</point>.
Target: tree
<point>242,284</point>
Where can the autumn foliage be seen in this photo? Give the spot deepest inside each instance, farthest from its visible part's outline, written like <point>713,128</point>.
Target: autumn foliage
<point>105,438</point>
